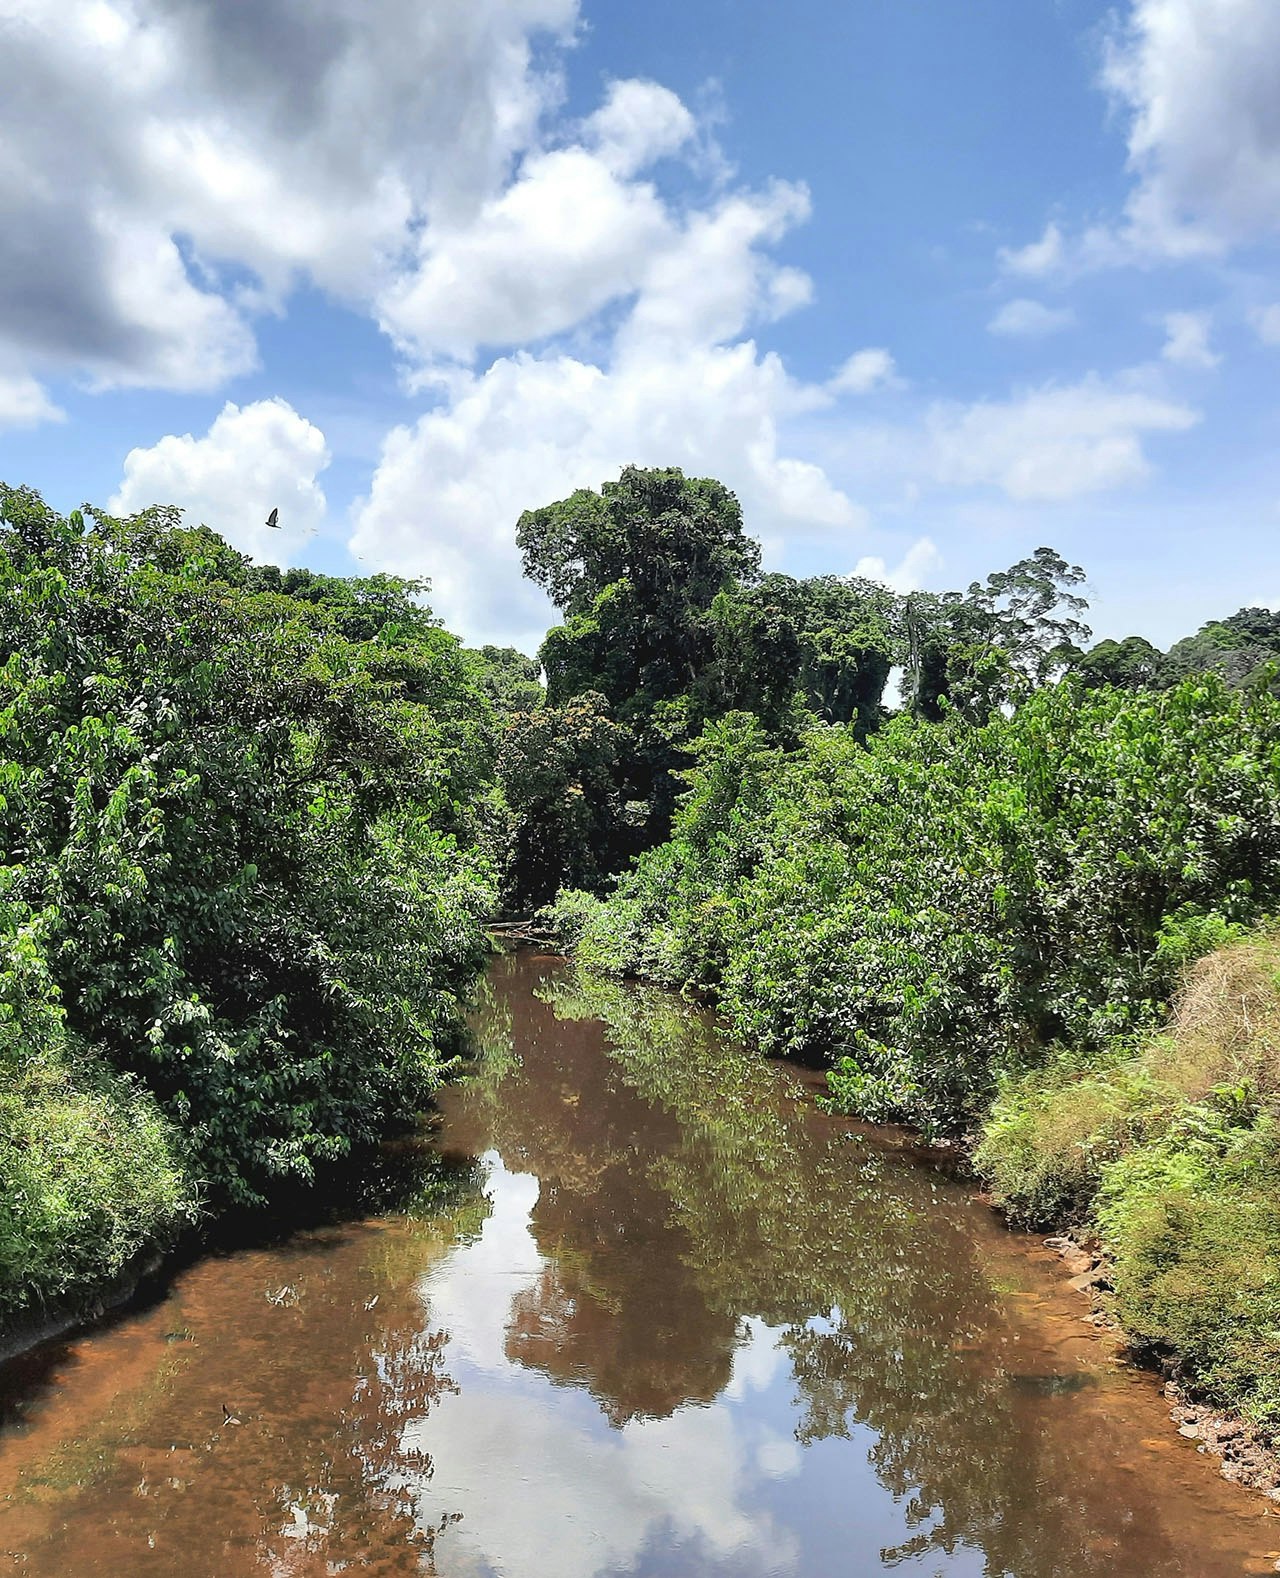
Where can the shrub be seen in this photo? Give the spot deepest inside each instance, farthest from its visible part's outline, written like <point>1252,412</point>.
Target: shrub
<point>1193,1223</point>
<point>940,905</point>
<point>1052,1132</point>
<point>90,1171</point>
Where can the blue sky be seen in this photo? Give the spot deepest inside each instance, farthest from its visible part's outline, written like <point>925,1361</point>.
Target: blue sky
<point>929,284</point>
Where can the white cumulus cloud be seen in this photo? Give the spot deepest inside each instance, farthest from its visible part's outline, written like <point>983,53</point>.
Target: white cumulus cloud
<point>1037,258</point>
<point>864,371</point>
<point>23,403</point>
<point>1200,83</point>
<point>253,459</point>
<point>567,237</point>
<point>910,573</point>
<point>1055,442</point>
<point>1196,83</point>
<point>679,382</point>
<point>1187,340</point>
<point>638,123</point>
<point>1024,319</point>
<point>448,490</point>
<point>714,279</point>
<point>160,154</point>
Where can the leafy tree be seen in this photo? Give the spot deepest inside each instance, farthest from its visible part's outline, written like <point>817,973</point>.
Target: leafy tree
<point>557,770</point>
<point>947,899</point>
<point>997,642</point>
<point>1131,664</point>
<point>635,568</point>
<point>1035,612</point>
<point>678,540</point>
<point>827,642</point>
<point>238,837</point>
<point>511,681</point>
<point>1238,648</point>
<point>389,608</point>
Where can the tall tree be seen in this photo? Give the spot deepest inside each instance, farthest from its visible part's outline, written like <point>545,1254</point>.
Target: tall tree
<point>1131,664</point>
<point>635,569</point>
<point>825,644</point>
<point>994,644</point>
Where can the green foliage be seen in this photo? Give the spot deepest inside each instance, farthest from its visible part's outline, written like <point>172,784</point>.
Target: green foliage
<point>1193,1222</point>
<point>678,540</point>
<point>240,826</point>
<point>1131,664</point>
<point>1241,648</point>
<point>90,1171</point>
<point>508,678</point>
<point>975,652</point>
<point>1052,1131</point>
<point>556,769</point>
<point>935,907</point>
<point>827,642</point>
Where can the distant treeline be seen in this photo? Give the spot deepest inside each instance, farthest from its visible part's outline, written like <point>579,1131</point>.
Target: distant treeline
<point>669,625</point>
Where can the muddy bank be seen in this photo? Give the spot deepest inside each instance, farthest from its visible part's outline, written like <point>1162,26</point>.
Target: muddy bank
<point>1245,1455</point>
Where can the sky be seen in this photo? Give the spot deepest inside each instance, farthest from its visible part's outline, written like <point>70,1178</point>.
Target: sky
<point>928,283</point>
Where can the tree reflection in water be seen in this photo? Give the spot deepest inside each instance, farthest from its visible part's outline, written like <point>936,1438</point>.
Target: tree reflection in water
<point>888,1288</point>
<point>319,1347</point>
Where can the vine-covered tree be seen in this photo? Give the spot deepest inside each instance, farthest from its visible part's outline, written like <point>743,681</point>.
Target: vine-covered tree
<point>635,569</point>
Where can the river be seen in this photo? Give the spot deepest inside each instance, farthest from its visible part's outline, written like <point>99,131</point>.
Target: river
<point>635,1306</point>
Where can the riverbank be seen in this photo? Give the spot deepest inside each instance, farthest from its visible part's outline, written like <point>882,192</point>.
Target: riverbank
<point>1246,1455</point>
<point>1161,1159</point>
<point>95,1182</point>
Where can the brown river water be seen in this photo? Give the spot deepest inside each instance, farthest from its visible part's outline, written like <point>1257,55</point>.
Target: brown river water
<point>636,1307</point>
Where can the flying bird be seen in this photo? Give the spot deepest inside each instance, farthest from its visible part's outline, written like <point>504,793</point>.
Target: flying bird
<point>274,519</point>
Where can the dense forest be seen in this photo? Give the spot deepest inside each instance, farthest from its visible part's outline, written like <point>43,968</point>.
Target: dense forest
<point>256,822</point>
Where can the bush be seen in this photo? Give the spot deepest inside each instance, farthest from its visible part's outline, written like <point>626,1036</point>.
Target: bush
<point>1052,1132</point>
<point>1193,1223</point>
<point>939,906</point>
<point>90,1171</point>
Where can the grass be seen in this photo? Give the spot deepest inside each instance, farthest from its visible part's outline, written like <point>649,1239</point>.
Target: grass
<point>90,1175</point>
<point>1170,1151</point>
<point>1053,1131</point>
<point>1193,1226</point>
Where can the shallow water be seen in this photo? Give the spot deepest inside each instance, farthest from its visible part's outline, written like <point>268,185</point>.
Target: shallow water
<point>643,1311</point>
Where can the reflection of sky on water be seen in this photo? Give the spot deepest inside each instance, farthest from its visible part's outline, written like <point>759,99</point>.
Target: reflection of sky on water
<point>548,1489</point>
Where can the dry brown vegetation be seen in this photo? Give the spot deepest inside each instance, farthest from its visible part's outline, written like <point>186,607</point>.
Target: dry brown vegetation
<point>1226,1023</point>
